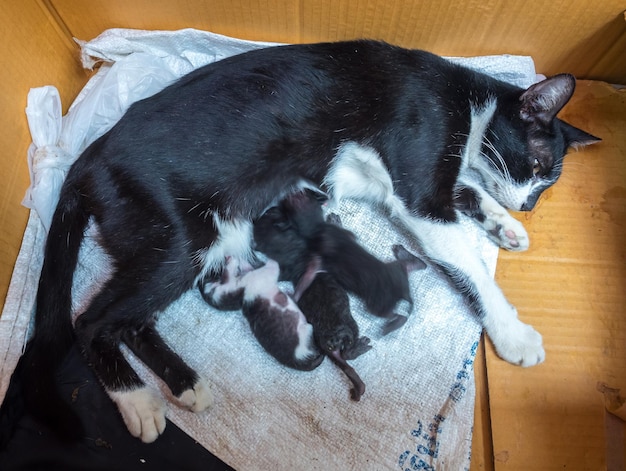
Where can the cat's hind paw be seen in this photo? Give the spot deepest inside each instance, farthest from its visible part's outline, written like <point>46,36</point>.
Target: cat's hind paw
<point>197,398</point>
<point>143,411</point>
<point>521,345</point>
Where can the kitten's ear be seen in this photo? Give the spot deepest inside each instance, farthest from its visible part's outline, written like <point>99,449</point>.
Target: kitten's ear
<point>315,193</point>
<point>543,100</point>
<point>278,218</point>
<point>577,137</point>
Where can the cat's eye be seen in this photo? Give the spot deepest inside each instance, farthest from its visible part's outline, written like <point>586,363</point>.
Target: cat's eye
<point>536,168</point>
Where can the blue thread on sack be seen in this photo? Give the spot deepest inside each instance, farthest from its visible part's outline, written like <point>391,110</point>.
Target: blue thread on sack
<point>427,446</point>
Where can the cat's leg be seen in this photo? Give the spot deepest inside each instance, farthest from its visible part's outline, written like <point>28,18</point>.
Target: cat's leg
<point>446,245</point>
<point>128,301</point>
<point>500,226</point>
<point>358,172</point>
<point>141,408</point>
<point>188,388</point>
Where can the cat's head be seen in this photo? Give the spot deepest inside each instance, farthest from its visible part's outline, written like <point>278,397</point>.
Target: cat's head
<point>525,143</point>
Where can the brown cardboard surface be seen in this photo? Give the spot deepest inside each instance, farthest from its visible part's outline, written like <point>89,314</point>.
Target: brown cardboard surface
<point>611,38</point>
<point>581,37</point>
<point>482,441</point>
<point>34,54</point>
<point>571,285</point>
<point>263,20</point>
<point>554,33</point>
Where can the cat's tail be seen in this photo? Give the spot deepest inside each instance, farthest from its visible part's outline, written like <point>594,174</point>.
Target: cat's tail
<point>33,387</point>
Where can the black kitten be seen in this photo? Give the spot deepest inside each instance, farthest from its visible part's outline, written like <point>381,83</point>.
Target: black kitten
<point>327,307</point>
<point>382,286</point>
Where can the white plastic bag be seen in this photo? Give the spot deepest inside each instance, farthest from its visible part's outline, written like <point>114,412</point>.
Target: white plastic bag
<point>58,141</point>
<point>135,65</point>
<point>48,163</point>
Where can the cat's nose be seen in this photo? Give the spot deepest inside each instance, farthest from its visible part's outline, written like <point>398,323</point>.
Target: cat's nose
<point>531,201</point>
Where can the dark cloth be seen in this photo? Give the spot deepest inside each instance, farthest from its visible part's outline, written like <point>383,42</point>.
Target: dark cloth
<point>107,446</point>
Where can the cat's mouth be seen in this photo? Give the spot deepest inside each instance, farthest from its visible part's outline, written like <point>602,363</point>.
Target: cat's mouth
<point>520,196</point>
<point>499,183</point>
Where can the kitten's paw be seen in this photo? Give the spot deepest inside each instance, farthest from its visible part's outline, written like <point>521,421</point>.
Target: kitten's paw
<point>197,398</point>
<point>361,346</point>
<point>521,345</point>
<point>507,232</point>
<point>143,411</point>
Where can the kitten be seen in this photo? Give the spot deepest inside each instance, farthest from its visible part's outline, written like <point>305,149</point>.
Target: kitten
<point>324,303</point>
<point>326,306</point>
<point>295,232</point>
<point>275,319</point>
<point>382,286</point>
<point>175,184</point>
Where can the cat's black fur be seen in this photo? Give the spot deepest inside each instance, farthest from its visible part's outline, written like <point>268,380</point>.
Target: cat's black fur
<point>174,185</point>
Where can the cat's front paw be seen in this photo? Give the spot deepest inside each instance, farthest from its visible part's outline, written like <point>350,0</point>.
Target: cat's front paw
<point>197,398</point>
<point>520,344</point>
<point>507,232</point>
<point>143,411</point>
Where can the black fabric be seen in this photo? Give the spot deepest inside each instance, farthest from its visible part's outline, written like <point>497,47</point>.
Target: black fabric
<point>107,446</point>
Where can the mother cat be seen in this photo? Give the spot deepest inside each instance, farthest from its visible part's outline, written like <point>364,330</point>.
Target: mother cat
<point>175,185</point>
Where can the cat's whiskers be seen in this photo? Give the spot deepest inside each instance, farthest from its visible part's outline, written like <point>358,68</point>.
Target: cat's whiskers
<point>503,170</point>
<point>488,168</point>
<point>569,163</point>
<point>502,186</point>
<point>495,173</point>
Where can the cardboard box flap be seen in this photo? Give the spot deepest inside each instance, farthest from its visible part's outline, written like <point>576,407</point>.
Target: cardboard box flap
<point>572,37</point>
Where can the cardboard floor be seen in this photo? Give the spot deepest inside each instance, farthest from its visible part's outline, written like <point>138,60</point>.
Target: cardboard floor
<point>571,286</point>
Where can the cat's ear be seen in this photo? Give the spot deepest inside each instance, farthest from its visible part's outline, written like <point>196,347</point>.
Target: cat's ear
<point>577,137</point>
<point>543,100</point>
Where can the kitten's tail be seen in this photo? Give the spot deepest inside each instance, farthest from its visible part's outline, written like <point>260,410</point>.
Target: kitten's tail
<point>33,388</point>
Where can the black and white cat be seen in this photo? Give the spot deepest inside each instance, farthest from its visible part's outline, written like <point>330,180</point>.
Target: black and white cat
<point>175,185</point>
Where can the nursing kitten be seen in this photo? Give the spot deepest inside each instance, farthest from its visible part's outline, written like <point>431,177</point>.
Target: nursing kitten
<point>275,319</point>
<point>382,286</point>
<point>325,302</point>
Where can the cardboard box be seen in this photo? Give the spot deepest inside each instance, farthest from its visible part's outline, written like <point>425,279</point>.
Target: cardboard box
<point>570,285</point>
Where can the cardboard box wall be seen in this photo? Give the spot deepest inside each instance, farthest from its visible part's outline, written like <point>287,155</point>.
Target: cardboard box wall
<point>585,38</point>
